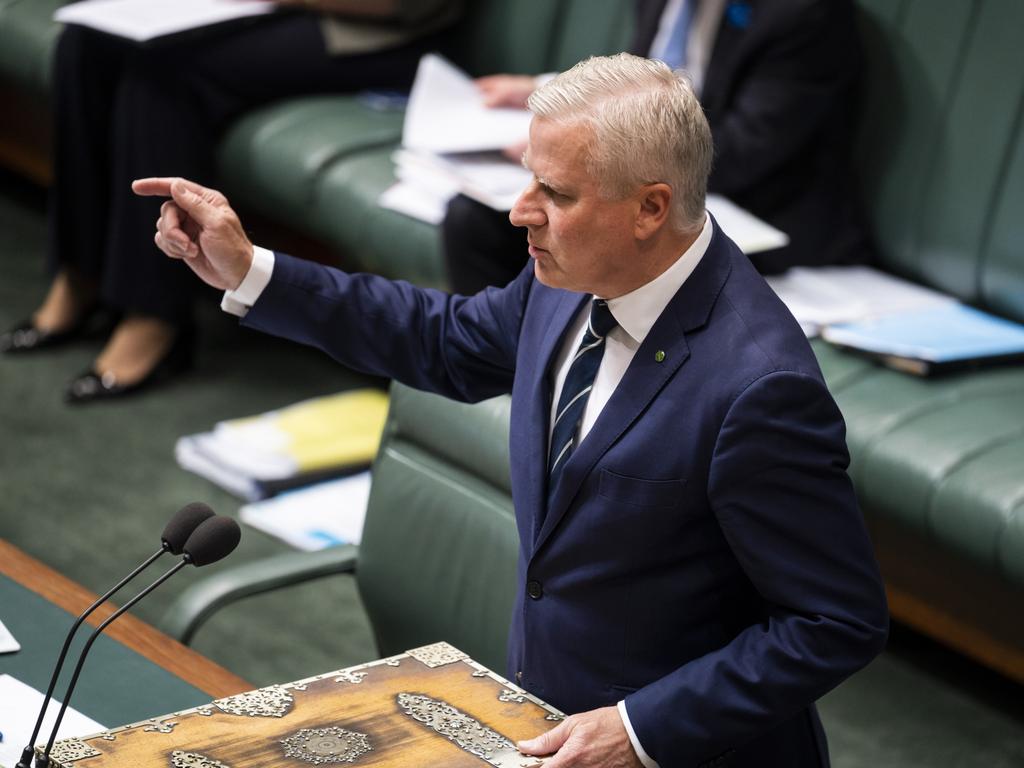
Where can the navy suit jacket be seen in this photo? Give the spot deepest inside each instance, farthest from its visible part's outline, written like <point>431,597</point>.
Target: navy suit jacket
<point>704,557</point>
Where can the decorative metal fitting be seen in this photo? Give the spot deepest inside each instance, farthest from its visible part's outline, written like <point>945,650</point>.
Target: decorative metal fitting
<point>326,745</point>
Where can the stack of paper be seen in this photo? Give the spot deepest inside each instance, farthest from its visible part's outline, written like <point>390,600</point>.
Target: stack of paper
<point>313,440</point>
<point>320,516</point>
<point>143,20</point>
<point>821,296</point>
<point>452,143</point>
<point>446,113</point>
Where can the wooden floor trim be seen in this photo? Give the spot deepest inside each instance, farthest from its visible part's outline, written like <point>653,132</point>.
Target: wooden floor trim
<point>192,667</point>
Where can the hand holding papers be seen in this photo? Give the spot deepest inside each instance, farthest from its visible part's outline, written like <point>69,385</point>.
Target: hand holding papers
<point>447,113</point>
<point>452,143</point>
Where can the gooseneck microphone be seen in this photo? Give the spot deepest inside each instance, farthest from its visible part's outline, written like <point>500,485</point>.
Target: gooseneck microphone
<point>213,539</point>
<point>176,533</point>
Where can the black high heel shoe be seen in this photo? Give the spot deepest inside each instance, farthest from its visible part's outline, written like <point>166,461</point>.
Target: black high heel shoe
<point>92,386</point>
<point>25,337</point>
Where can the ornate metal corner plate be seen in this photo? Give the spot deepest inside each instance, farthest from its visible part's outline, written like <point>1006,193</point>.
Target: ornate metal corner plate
<point>69,750</point>
<point>181,759</point>
<point>469,734</point>
<point>437,655</point>
<point>326,745</point>
<point>274,701</point>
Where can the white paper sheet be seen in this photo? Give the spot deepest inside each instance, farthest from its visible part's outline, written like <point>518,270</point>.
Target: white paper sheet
<point>8,643</point>
<point>320,516</point>
<point>820,296</point>
<point>19,707</point>
<point>446,113</point>
<point>142,20</point>
<point>746,230</point>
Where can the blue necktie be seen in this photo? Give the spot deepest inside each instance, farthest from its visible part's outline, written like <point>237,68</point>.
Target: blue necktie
<point>674,52</point>
<point>576,390</point>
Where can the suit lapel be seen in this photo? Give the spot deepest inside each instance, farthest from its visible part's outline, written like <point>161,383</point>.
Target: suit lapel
<point>645,377</point>
<point>539,400</point>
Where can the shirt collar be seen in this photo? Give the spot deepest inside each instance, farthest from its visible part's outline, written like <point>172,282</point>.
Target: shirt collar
<point>637,311</point>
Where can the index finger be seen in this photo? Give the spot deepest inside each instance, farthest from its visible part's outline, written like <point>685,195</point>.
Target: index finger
<point>158,186</point>
<point>161,186</point>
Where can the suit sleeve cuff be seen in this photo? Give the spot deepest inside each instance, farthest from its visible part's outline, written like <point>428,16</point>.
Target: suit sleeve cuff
<point>646,759</point>
<point>238,301</point>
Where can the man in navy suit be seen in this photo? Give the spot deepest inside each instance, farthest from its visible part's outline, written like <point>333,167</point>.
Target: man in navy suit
<point>694,571</point>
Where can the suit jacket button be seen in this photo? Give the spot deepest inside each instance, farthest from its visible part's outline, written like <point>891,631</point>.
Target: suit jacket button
<point>519,677</point>
<point>534,589</point>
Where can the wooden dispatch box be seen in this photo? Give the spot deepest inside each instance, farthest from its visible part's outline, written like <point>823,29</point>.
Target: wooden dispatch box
<point>431,706</point>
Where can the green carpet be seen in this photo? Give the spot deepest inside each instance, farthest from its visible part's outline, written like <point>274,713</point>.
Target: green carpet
<point>87,490</point>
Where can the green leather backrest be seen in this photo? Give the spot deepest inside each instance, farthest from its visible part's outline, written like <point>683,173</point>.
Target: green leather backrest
<point>438,555</point>
<point>1002,273</point>
<point>940,132</point>
<point>27,37</point>
<point>506,36</point>
<point>539,35</point>
<point>591,28</point>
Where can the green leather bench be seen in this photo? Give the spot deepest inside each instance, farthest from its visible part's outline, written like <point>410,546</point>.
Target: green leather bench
<point>937,463</point>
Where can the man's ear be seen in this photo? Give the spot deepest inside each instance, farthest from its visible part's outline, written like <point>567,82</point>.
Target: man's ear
<point>654,210</point>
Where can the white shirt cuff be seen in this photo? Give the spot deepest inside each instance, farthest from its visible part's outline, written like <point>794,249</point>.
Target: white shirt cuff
<point>646,759</point>
<point>238,301</point>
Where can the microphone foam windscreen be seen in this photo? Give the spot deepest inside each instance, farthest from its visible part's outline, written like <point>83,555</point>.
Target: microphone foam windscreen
<point>212,540</point>
<point>181,526</point>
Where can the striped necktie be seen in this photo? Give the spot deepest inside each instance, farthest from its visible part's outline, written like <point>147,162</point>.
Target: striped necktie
<point>576,390</point>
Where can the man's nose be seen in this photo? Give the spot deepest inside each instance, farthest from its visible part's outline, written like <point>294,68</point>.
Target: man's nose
<point>525,212</point>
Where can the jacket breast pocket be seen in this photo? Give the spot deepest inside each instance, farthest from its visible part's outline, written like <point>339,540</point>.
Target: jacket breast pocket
<point>639,492</point>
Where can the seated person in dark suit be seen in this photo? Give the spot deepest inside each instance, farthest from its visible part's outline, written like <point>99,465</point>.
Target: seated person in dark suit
<point>778,80</point>
<point>694,571</point>
<point>123,111</point>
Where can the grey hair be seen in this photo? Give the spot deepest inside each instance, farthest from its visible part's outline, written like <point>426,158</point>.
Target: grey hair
<point>648,127</point>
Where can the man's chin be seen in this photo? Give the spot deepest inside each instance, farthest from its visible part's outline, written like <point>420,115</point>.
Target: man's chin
<point>547,276</point>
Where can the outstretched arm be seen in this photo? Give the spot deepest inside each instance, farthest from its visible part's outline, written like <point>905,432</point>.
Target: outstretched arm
<point>462,347</point>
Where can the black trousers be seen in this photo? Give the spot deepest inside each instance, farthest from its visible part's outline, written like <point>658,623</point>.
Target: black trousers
<point>481,247</point>
<point>125,111</point>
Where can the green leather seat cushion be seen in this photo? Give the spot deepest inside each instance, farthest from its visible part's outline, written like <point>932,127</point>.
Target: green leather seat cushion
<point>272,157</point>
<point>346,214</point>
<point>943,456</point>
